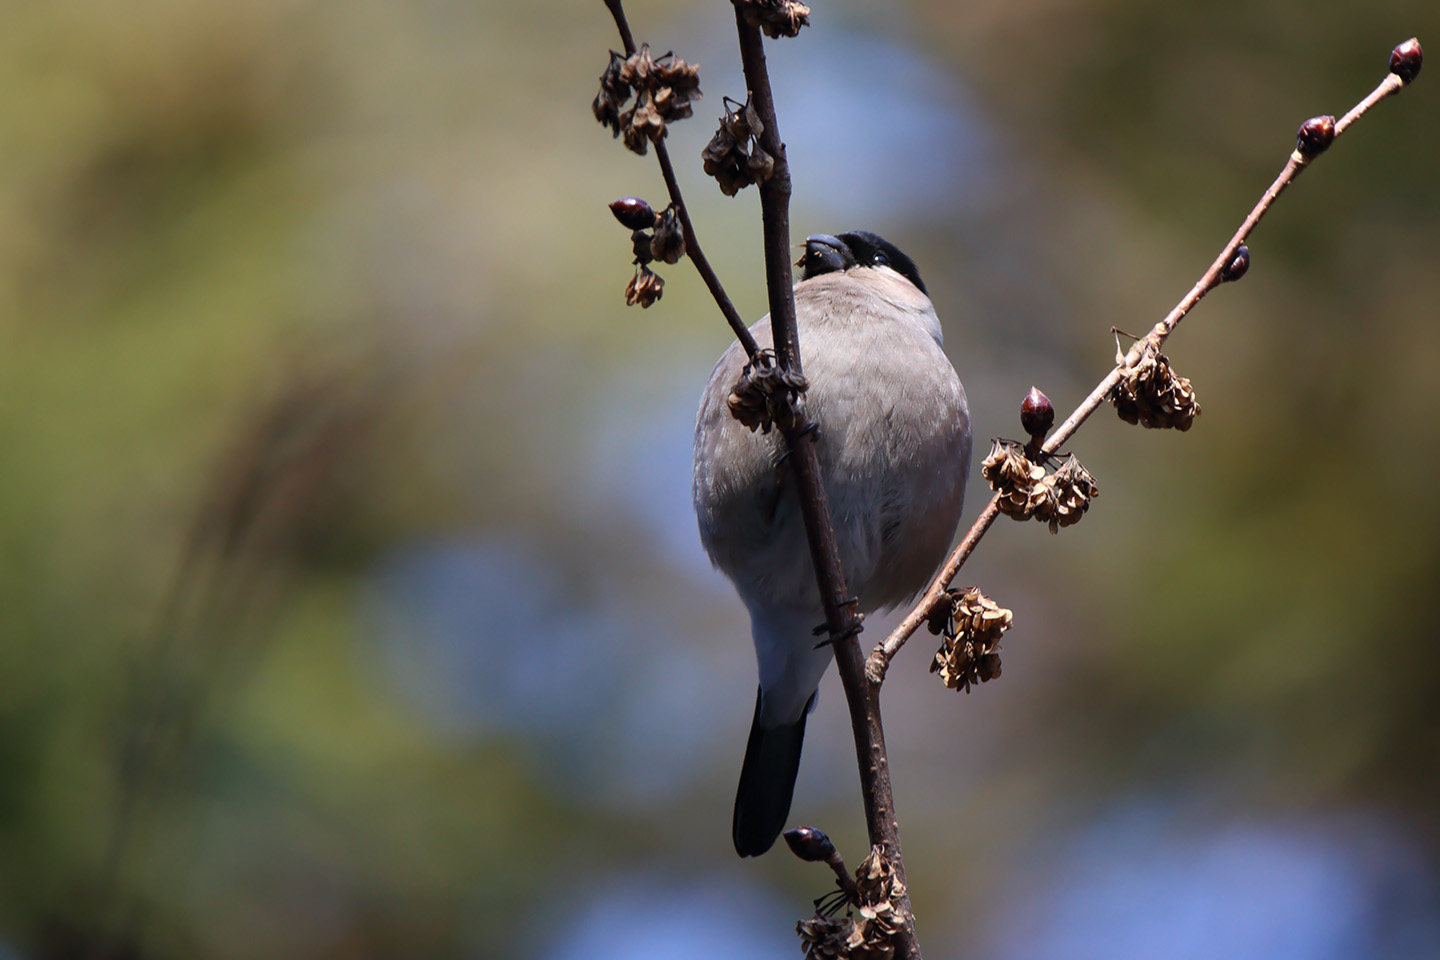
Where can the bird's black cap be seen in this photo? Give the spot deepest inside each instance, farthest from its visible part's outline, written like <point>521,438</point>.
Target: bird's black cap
<point>858,248</point>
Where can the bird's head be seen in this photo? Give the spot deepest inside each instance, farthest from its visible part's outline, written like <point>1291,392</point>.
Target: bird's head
<point>858,248</point>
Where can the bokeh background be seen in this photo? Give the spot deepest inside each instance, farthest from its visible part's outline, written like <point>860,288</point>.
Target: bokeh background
<point>350,599</point>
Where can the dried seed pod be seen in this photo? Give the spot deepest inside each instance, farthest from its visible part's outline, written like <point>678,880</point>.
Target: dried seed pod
<point>764,389</point>
<point>881,918</point>
<point>1068,492</point>
<point>825,938</point>
<point>809,844</point>
<point>644,288</point>
<point>1238,265</point>
<point>939,618</point>
<point>778,18</point>
<point>668,244</point>
<point>633,213</point>
<point>969,653</point>
<point>646,123</point>
<point>1152,394</point>
<point>614,91</point>
<point>1407,59</point>
<point>1037,415</point>
<point>663,90</point>
<point>1017,480</point>
<point>640,244</point>
<point>734,156</point>
<point>1315,136</point>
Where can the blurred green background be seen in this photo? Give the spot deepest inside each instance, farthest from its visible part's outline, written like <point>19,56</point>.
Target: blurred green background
<point>350,599</point>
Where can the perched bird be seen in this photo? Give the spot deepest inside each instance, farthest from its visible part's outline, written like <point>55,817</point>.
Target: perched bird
<point>894,449</point>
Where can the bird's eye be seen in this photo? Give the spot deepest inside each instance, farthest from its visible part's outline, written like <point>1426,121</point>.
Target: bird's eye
<point>881,260</point>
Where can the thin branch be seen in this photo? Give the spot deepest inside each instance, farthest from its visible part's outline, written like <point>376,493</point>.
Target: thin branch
<point>617,10</point>
<point>692,243</point>
<point>880,657</point>
<point>697,256</point>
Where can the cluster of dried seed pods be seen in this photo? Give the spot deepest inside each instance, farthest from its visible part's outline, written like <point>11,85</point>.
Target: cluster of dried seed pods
<point>1152,394</point>
<point>869,930</point>
<point>1027,491</point>
<point>663,88</point>
<point>763,392</point>
<point>971,625</point>
<point>777,18</point>
<point>734,156</point>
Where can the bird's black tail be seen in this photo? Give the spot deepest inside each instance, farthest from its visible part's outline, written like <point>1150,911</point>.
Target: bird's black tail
<point>767,782</point>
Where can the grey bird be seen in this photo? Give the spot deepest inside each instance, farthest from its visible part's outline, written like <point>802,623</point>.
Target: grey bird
<point>894,450</point>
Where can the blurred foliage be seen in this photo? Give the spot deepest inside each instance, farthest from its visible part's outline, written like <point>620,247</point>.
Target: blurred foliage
<point>290,286</point>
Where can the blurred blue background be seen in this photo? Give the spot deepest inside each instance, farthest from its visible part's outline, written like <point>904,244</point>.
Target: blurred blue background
<point>352,600</point>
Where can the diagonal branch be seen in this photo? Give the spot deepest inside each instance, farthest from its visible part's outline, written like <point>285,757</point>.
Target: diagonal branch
<point>692,244</point>
<point>879,659</point>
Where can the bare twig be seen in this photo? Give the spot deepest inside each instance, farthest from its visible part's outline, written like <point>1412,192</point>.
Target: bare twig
<point>692,244</point>
<point>879,660</point>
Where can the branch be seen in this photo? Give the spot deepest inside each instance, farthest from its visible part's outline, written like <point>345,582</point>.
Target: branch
<point>842,616</point>
<point>1314,138</point>
<point>692,244</point>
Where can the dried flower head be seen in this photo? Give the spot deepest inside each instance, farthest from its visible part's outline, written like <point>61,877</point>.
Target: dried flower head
<point>764,389</point>
<point>969,653</point>
<point>668,244</point>
<point>1068,492</point>
<point>644,288</point>
<point>1152,394</point>
<point>734,156</point>
<point>1018,481</point>
<point>825,938</point>
<point>870,928</point>
<point>613,93</point>
<point>778,18</point>
<point>663,88</point>
<point>640,242</point>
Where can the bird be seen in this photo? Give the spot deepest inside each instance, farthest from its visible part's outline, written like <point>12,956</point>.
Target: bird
<point>893,444</point>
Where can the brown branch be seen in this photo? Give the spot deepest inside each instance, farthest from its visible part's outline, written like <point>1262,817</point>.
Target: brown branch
<point>879,659</point>
<point>672,186</point>
<point>841,614</point>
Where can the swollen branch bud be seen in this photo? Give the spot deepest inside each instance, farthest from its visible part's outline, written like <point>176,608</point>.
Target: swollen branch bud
<point>809,844</point>
<point>633,213</point>
<point>1037,416</point>
<point>1237,266</point>
<point>1407,59</point>
<point>1315,136</point>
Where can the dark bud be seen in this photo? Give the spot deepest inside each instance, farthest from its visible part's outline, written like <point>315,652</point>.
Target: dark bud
<point>1037,416</point>
<point>810,844</point>
<point>633,213</point>
<point>640,245</point>
<point>1407,59</point>
<point>1315,136</point>
<point>1237,266</point>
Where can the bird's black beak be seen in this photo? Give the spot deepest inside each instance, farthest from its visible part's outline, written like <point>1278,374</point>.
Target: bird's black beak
<point>825,254</point>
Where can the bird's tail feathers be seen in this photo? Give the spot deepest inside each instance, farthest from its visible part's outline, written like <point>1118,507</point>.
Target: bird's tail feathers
<point>767,782</point>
